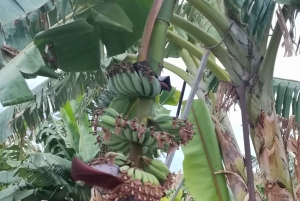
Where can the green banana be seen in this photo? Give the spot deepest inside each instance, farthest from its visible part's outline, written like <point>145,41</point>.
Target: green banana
<point>119,162</point>
<point>146,84</point>
<point>145,178</point>
<point>168,126</point>
<point>134,135</point>
<point>142,138</point>
<point>129,84</point>
<point>120,156</point>
<point>155,167</point>
<point>150,178</point>
<point>115,84</point>
<point>130,172</point>
<point>122,134</point>
<point>156,87</point>
<point>153,179</point>
<point>111,86</point>
<point>110,143</point>
<point>110,112</point>
<point>115,146</point>
<point>137,82</point>
<point>126,149</point>
<point>138,174</point>
<point>107,119</point>
<point>154,144</point>
<point>163,118</point>
<point>149,141</point>
<point>122,85</point>
<point>124,168</point>
<point>105,125</point>
<point>128,134</point>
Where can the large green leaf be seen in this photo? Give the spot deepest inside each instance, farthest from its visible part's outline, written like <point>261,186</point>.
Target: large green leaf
<point>15,193</point>
<point>287,93</point>
<point>52,93</point>
<point>79,131</point>
<point>256,14</point>
<point>17,34</point>
<point>76,46</point>
<point>53,134</point>
<point>13,10</point>
<point>169,97</point>
<point>117,42</point>
<point>107,14</point>
<point>202,158</point>
<point>8,177</point>
<point>13,88</point>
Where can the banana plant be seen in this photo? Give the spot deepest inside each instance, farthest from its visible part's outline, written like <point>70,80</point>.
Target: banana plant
<point>132,122</point>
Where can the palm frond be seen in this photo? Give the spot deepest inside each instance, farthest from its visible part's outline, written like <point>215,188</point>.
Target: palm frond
<point>254,16</point>
<point>49,97</point>
<point>287,98</point>
<point>45,170</point>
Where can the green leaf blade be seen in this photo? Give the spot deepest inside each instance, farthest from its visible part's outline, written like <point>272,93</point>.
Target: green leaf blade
<point>202,158</point>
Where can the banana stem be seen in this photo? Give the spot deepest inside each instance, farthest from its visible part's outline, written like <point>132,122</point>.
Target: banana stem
<point>214,16</point>
<point>266,71</point>
<point>144,108</point>
<point>136,151</point>
<point>220,73</point>
<point>145,42</point>
<point>159,36</point>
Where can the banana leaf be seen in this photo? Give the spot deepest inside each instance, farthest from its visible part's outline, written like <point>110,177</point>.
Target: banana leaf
<point>287,97</point>
<point>13,10</point>
<point>78,131</point>
<point>202,158</point>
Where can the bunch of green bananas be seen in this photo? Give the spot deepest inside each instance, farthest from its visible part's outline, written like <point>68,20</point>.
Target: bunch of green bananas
<point>124,80</point>
<point>138,174</point>
<point>121,131</point>
<point>181,130</point>
<point>138,185</point>
<point>118,158</point>
<point>155,167</point>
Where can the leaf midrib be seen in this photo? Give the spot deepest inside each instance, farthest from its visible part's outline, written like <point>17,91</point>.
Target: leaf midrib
<point>207,157</point>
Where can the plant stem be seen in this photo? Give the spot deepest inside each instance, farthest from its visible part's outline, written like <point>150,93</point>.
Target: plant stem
<point>144,108</point>
<point>219,51</point>
<point>215,17</point>
<point>159,36</point>
<point>267,67</point>
<point>145,42</point>
<point>199,34</point>
<point>157,46</point>
<point>192,49</point>
<point>190,65</point>
<point>135,153</point>
<point>179,72</point>
<point>235,39</point>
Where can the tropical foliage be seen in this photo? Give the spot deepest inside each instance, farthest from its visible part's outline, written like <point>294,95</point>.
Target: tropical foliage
<point>96,128</point>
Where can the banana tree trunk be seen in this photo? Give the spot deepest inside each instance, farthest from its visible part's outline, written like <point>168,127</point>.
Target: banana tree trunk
<point>268,142</point>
